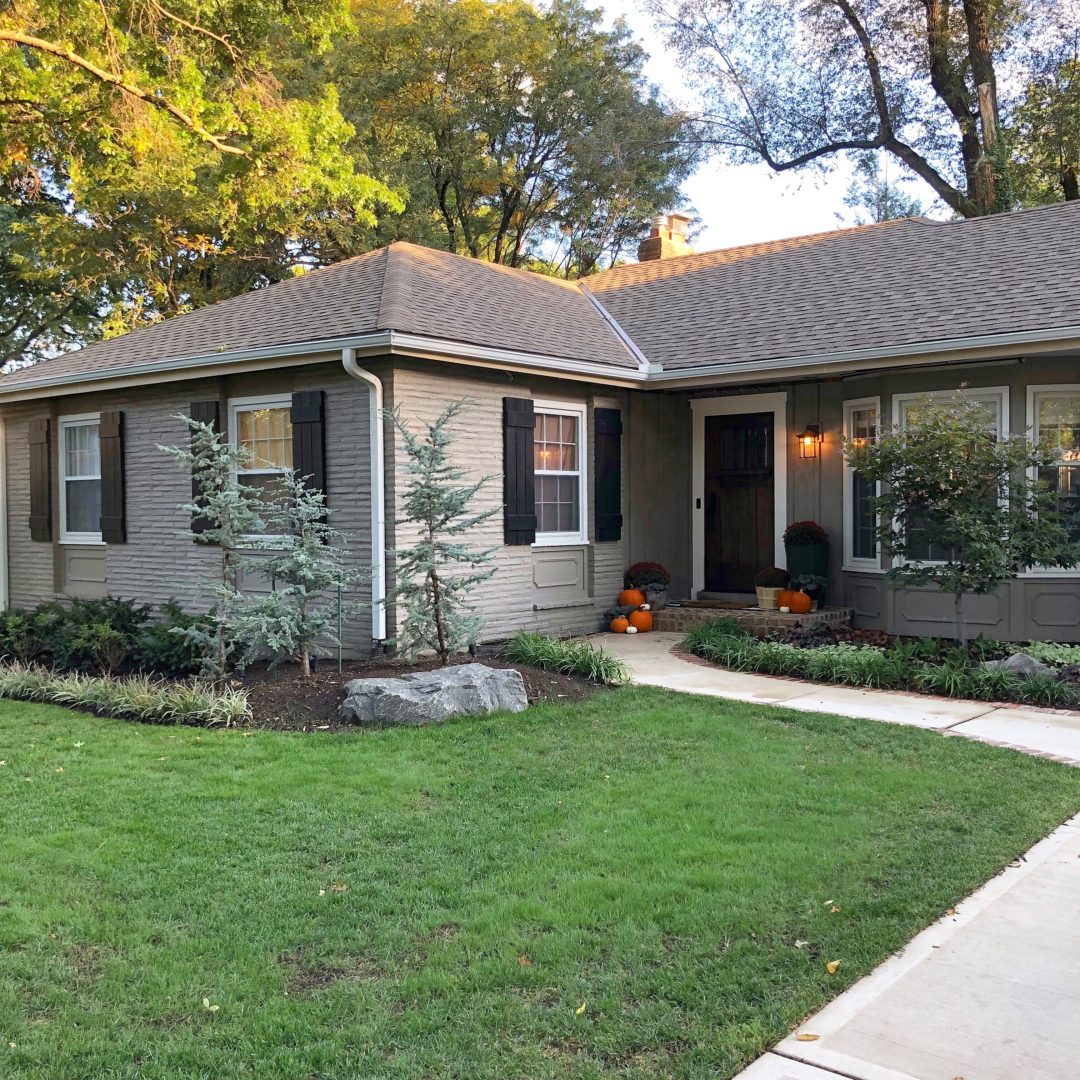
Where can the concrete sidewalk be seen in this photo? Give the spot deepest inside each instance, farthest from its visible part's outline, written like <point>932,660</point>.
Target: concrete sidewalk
<point>1035,731</point>
<point>991,992</point>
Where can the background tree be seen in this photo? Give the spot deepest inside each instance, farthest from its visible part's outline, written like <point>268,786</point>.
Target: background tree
<point>306,559</point>
<point>795,85</point>
<point>958,508</point>
<point>159,156</point>
<point>1044,126</point>
<point>435,575</point>
<point>518,133</point>
<point>874,196</point>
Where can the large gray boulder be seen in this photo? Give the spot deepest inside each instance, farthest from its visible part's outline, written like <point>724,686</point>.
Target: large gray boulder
<point>430,697</point>
<point>1021,665</point>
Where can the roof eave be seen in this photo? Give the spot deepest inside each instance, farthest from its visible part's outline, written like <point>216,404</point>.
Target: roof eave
<point>382,342</point>
<point>988,346</point>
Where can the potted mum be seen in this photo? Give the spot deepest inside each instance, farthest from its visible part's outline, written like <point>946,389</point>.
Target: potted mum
<point>769,582</point>
<point>807,547</point>
<point>652,579</point>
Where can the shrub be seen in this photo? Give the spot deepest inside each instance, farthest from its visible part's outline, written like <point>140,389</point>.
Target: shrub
<point>1050,652</point>
<point>993,684</point>
<point>771,577</point>
<point>139,697</point>
<point>950,679</point>
<point>799,533</point>
<point>564,657</point>
<point>1045,690</point>
<point>172,643</point>
<point>646,575</point>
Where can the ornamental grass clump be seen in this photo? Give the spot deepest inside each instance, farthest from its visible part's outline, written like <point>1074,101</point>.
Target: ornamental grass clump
<point>565,657</point>
<point>138,697</point>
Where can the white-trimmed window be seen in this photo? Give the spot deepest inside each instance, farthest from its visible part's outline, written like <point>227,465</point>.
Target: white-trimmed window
<point>861,552</point>
<point>80,479</point>
<point>559,463</point>
<point>1054,419</point>
<point>263,427</point>
<point>994,399</point>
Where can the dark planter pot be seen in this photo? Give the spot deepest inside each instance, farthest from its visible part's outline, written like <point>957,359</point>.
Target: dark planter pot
<point>808,559</point>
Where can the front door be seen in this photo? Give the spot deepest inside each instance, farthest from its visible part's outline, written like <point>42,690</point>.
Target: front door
<point>739,525</point>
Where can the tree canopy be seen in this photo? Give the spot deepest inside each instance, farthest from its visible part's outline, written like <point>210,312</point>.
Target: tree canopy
<point>798,84</point>
<point>158,156</point>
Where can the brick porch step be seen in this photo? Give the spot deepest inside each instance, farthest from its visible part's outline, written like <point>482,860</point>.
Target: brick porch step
<point>756,620</point>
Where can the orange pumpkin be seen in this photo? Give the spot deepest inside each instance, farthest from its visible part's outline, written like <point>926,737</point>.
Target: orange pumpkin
<point>784,597</point>
<point>631,598</point>
<point>620,624</point>
<point>799,603</point>
<point>641,621</point>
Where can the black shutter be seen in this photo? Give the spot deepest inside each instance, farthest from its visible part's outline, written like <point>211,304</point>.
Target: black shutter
<point>607,501</point>
<point>111,433</point>
<point>206,412</point>
<point>308,440</point>
<point>519,487</point>
<point>40,481</point>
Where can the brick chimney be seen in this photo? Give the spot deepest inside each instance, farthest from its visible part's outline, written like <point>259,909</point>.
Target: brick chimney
<point>667,239</point>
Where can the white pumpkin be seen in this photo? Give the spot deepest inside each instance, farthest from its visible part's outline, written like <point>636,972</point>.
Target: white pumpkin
<point>785,611</point>
<point>645,607</point>
<point>631,629</point>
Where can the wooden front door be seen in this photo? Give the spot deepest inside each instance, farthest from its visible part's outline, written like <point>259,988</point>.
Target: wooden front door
<point>739,525</point>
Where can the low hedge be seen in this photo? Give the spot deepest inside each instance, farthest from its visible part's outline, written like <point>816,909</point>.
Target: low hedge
<point>897,668</point>
<point>138,697</point>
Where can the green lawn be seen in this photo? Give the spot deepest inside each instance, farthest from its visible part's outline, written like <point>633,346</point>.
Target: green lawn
<point>650,855</point>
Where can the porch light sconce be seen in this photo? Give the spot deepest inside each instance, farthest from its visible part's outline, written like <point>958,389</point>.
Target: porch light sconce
<point>810,438</point>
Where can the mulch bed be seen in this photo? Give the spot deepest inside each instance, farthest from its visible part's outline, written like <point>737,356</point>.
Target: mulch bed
<point>283,700</point>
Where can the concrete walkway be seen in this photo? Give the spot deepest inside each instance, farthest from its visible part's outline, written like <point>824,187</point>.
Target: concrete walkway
<point>1035,731</point>
<point>990,992</point>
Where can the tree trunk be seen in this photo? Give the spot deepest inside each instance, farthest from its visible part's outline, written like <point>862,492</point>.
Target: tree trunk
<point>440,630</point>
<point>961,629</point>
<point>1070,183</point>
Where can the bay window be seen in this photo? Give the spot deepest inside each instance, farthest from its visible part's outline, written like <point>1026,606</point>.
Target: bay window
<point>1055,422</point>
<point>559,466</point>
<point>80,479</point>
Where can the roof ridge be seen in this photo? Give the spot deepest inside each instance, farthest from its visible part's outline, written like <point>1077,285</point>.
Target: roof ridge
<point>393,294</point>
<point>778,242</point>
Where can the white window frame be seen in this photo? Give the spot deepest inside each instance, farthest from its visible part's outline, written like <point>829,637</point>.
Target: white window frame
<point>253,404</point>
<point>862,565</point>
<point>581,534</point>
<point>1000,394</point>
<point>1034,392</point>
<point>66,422</point>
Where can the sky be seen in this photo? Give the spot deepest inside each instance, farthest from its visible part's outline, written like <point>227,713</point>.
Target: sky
<point>740,204</point>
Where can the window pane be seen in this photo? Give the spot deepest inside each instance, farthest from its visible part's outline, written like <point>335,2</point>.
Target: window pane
<point>555,443</point>
<point>83,506</point>
<point>267,435</point>
<point>863,541</point>
<point>1058,424</point>
<point>266,485</point>
<point>82,455</point>
<point>557,508</point>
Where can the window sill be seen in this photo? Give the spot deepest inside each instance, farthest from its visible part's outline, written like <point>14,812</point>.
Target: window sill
<point>560,543</point>
<point>74,541</point>
<point>851,568</point>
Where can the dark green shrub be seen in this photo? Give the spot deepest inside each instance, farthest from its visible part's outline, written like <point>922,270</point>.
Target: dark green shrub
<point>93,635</point>
<point>1045,690</point>
<point>165,644</point>
<point>22,636</point>
<point>993,684</point>
<point>949,680</point>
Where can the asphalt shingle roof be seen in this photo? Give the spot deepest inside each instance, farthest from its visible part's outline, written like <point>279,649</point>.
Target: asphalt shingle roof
<point>404,287</point>
<point>887,285</point>
<point>896,284</point>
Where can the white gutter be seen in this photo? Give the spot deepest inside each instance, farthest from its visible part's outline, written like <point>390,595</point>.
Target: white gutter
<point>378,490</point>
<point>3,520</point>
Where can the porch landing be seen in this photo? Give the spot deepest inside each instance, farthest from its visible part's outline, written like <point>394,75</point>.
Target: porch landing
<point>677,620</point>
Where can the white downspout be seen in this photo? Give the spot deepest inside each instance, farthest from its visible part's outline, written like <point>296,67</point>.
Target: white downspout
<point>4,598</point>
<point>378,491</point>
